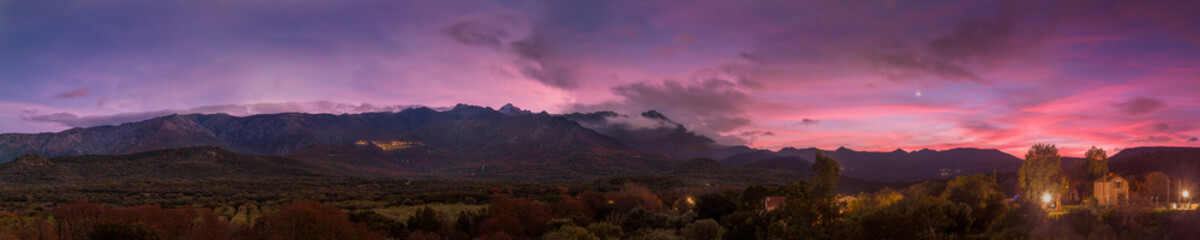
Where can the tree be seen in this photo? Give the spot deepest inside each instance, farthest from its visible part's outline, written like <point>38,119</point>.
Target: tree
<point>519,218</point>
<point>640,218</point>
<point>632,195</point>
<point>570,233</point>
<point>468,222</point>
<point>743,225</point>
<point>1156,185</point>
<point>917,217</point>
<point>1096,164</point>
<point>823,197</point>
<point>983,197</point>
<point>426,220</point>
<point>605,230</point>
<point>714,205</point>
<point>310,220</point>
<point>1041,173</point>
<point>827,172</point>
<point>122,230</point>
<point>752,197</point>
<point>656,234</point>
<point>379,223</point>
<point>706,229</point>
<point>422,235</point>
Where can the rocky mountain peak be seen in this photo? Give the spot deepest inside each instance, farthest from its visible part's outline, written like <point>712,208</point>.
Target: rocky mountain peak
<point>652,114</point>
<point>510,110</point>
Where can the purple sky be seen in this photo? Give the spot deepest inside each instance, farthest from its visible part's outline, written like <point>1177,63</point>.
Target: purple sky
<point>868,75</point>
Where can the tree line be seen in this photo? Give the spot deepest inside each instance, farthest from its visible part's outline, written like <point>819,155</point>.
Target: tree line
<point>966,207</point>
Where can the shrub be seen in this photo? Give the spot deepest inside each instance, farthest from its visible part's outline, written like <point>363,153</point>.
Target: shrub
<point>122,231</point>
<point>703,230</point>
<point>570,233</point>
<point>656,234</point>
<point>605,230</point>
<point>309,220</point>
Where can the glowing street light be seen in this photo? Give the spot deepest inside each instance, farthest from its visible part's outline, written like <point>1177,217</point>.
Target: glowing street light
<point>691,201</point>
<point>1046,198</point>
<point>1189,201</point>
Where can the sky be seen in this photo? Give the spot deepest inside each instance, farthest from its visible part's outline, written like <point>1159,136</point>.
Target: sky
<point>866,75</point>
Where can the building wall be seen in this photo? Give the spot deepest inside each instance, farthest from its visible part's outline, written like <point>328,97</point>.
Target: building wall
<point>1111,190</point>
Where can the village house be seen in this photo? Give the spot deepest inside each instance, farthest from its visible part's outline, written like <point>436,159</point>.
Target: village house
<point>1111,190</point>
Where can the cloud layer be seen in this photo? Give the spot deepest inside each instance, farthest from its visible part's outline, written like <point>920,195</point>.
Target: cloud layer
<point>73,120</point>
<point>866,75</point>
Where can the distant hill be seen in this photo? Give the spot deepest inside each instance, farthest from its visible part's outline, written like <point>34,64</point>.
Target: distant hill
<point>477,142</point>
<point>742,159</point>
<point>34,168</point>
<point>1124,154</point>
<point>183,163</point>
<point>899,164</point>
<point>708,171</point>
<point>777,171</point>
<point>464,141</point>
<point>281,134</point>
<point>1175,162</point>
<point>795,164</point>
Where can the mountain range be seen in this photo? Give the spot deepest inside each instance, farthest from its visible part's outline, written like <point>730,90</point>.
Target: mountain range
<point>463,142</point>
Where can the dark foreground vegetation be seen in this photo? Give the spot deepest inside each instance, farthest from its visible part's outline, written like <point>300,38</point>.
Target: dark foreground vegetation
<point>631,207</point>
<point>970,207</point>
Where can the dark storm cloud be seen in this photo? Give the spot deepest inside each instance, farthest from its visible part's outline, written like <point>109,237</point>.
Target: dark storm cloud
<point>527,49</point>
<point>75,93</point>
<point>708,106</point>
<point>477,32</point>
<point>536,64</point>
<point>560,34</point>
<point>544,53</point>
<point>1139,106</point>
<point>975,40</point>
<point>494,31</point>
<point>973,46</point>
<point>906,64</point>
<point>535,56</point>
<point>715,104</point>
<point>1153,139</point>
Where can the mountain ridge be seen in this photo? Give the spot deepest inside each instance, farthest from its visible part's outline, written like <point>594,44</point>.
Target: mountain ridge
<point>469,141</point>
<point>190,163</point>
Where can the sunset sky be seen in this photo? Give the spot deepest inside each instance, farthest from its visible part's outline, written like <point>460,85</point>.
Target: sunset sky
<point>867,75</point>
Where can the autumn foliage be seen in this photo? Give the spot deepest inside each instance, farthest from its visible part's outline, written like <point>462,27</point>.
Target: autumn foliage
<point>83,220</point>
<point>309,220</point>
